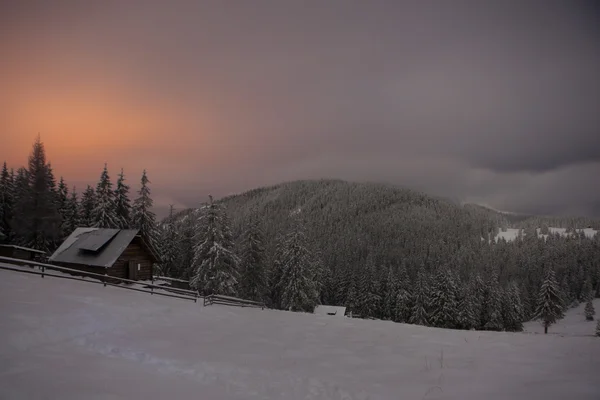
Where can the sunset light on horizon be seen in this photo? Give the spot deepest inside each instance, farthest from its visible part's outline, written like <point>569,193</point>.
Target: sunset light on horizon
<point>222,97</point>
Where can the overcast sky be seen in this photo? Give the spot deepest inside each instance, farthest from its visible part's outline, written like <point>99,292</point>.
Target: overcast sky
<point>494,102</point>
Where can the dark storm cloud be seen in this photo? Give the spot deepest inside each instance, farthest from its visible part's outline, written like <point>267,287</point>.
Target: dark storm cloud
<point>491,101</point>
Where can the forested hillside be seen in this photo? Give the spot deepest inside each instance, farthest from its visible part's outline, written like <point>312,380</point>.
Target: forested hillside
<point>394,253</point>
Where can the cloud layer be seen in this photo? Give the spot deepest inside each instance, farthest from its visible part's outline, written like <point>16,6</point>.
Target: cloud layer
<point>493,102</point>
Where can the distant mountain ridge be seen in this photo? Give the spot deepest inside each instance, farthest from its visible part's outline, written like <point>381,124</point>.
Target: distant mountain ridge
<point>349,222</point>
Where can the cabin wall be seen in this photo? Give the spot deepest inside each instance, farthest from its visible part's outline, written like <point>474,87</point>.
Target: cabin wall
<point>83,269</point>
<point>136,253</point>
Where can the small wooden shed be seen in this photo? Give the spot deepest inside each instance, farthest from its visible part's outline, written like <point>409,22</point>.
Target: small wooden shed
<point>120,253</point>
<point>334,311</point>
<point>22,253</point>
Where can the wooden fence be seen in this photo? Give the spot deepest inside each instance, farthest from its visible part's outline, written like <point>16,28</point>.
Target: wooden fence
<point>231,301</point>
<point>102,279</point>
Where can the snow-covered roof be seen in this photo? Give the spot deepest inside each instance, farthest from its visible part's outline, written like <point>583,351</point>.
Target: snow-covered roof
<point>330,310</point>
<point>94,246</point>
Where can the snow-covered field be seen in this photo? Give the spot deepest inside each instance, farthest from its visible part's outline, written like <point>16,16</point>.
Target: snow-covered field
<point>72,340</point>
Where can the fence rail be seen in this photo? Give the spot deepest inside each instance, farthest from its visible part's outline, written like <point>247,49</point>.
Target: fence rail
<point>103,279</point>
<point>231,301</point>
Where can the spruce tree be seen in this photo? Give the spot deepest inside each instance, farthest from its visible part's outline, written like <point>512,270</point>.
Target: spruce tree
<point>71,215</point>
<point>420,300</point>
<point>589,310</point>
<point>367,296</point>
<point>391,288</point>
<point>298,291</point>
<point>123,204</point>
<point>549,305</point>
<point>63,207</point>
<point>512,309</point>
<point>443,307</point>
<point>466,318</point>
<point>104,214</point>
<point>253,281</point>
<point>493,304</point>
<point>142,216</point>
<point>6,201</point>
<point>168,239</point>
<point>36,219</point>
<point>215,265</point>
<point>87,207</point>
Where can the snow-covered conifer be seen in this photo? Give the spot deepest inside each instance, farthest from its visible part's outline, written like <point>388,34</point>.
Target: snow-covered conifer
<point>512,309</point>
<point>168,240</point>
<point>420,299</point>
<point>368,296</point>
<point>466,317</point>
<point>298,291</point>
<point>70,215</point>
<point>123,204</point>
<point>6,201</point>
<point>143,218</point>
<point>104,214</point>
<point>549,305</point>
<point>443,307</point>
<point>589,310</point>
<point>86,207</point>
<point>390,293</point>
<point>493,304</point>
<point>215,265</point>
<point>253,280</point>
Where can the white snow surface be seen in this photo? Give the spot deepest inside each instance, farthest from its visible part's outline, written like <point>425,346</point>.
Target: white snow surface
<point>68,340</point>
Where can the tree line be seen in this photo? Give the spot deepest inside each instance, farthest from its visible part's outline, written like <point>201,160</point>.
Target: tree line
<point>38,212</point>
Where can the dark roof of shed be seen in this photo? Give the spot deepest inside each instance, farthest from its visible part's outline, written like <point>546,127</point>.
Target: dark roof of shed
<point>96,247</point>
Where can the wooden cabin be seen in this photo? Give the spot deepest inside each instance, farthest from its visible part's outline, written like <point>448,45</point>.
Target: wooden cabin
<point>120,253</point>
<point>22,253</point>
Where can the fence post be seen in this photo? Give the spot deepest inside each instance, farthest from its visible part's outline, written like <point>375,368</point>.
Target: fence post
<point>104,279</point>
<point>43,269</point>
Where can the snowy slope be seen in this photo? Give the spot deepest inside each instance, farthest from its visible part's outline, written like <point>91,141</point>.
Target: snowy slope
<point>573,324</point>
<point>73,340</point>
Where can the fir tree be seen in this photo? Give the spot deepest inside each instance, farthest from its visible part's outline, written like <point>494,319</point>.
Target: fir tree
<point>36,219</point>
<point>420,300</point>
<point>367,291</point>
<point>478,293</point>
<point>391,288</point>
<point>215,265</point>
<point>493,305</point>
<point>549,305</point>
<point>276,272</point>
<point>123,204</point>
<point>168,239</point>
<point>6,201</point>
<point>298,291</point>
<point>512,309</point>
<point>63,207</point>
<point>253,282</point>
<point>404,305</point>
<point>87,207</point>
<point>70,214</point>
<point>104,214</point>
<point>589,310</point>
<point>142,217</point>
<point>443,307</point>
<point>467,317</point>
